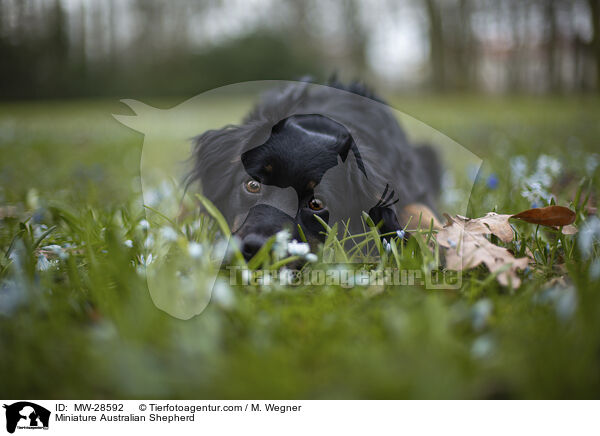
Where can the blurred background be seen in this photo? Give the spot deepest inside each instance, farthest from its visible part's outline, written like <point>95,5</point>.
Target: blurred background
<point>134,48</point>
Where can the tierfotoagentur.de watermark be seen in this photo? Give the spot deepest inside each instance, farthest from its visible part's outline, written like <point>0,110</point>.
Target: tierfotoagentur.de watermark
<point>346,278</point>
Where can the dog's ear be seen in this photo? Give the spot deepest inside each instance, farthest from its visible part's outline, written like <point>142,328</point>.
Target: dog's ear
<point>346,145</point>
<point>214,159</point>
<point>383,214</point>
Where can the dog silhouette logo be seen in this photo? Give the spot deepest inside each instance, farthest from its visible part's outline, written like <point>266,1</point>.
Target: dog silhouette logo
<point>26,415</point>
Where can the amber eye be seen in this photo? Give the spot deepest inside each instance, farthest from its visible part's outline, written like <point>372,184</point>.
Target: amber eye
<point>316,204</point>
<point>252,186</point>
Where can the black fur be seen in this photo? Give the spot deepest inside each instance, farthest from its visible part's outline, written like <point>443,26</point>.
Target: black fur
<point>338,143</point>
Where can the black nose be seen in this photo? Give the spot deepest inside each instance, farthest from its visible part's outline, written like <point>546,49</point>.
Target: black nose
<point>251,244</point>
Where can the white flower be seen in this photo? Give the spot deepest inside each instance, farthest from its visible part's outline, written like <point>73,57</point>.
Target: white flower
<point>43,264</point>
<point>548,165</point>
<point>564,301</point>
<point>518,168</point>
<point>589,235</point>
<point>311,257</point>
<point>57,250</point>
<point>151,197</point>
<point>144,225</point>
<point>566,304</point>
<point>387,246</point>
<point>195,250</point>
<point>149,241</point>
<point>146,260</point>
<point>480,313</point>
<point>534,192</point>
<point>591,163</point>
<point>128,243</point>
<point>282,239</point>
<point>535,187</point>
<point>223,295</point>
<point>168,233</point>
<point>283,236</point>
<point>482,347</point>
<point>296,248</point>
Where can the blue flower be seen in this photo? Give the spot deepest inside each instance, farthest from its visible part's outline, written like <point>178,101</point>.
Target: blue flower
<point>492,181</point>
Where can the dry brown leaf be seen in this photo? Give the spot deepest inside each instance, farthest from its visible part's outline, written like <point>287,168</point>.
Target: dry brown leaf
<point>467,247</point>
<point>491,223</point>
<point>569,230</point>
<point>547,216</point>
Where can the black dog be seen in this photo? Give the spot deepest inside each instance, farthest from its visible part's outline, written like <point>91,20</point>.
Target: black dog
<point>305,150</point>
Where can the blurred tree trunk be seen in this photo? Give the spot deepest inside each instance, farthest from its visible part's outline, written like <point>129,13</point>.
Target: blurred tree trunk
<point>580,53</point>
<point>513,67</point>
<point>113,47</point>
<point>595,17</point>
<point>466,47</point>
<point>355,38</point>
<point>1,20</point>
<point>552,41</point>
<point>57,51</point>
<point>81,47</point>
<point>59,39</point>
<point>436,45</point>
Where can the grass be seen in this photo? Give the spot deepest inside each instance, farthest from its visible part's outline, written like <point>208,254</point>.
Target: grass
<point>77,319</point>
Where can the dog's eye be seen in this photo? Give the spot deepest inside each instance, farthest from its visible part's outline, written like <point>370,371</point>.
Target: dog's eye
<point>252,186</point>
<point>316,204</point>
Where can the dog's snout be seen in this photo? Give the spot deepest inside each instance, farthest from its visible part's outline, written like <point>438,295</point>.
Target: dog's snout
<point>251,244</point>
<point>262,222</point>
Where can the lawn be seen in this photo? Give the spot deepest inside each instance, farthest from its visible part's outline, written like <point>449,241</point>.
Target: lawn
<point>77,319</point>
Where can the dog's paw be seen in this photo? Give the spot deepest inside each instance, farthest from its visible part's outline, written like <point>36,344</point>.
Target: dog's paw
<point>389,200</point>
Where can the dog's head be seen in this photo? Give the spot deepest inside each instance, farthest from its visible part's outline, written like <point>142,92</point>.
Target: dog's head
<point>278,184</point>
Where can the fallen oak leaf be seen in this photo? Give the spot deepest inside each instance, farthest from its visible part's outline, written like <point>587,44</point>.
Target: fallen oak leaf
<point>467,247</point>
<point>490,223</point>
<point>550,216</point>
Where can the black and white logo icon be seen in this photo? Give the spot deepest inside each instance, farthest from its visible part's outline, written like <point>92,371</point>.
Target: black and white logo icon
<point>26,415</point>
